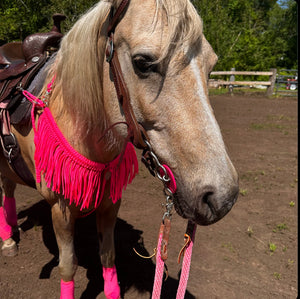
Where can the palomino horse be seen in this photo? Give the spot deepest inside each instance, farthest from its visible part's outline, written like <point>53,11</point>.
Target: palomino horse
<point>77,145</point>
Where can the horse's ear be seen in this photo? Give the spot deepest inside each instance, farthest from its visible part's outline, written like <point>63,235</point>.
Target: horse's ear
<point>210,56</point>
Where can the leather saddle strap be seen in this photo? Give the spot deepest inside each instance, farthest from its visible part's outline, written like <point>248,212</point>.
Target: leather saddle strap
<point>11,150</point>
<point>23,79</point>
<point>136,132</point>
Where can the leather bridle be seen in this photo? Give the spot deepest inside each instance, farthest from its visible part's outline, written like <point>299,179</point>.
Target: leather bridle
<point>136,133</point>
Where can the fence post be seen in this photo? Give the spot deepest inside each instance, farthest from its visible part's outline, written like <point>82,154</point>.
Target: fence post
<point>272,79</point>
<point>231,78</point>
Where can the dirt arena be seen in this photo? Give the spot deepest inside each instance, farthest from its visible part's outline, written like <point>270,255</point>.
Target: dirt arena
<point>251,253</point>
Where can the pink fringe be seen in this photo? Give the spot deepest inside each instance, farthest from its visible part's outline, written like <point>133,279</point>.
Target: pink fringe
<point>69,173</point>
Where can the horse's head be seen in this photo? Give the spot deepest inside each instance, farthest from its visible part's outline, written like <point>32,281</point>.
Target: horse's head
<point>165,60</point>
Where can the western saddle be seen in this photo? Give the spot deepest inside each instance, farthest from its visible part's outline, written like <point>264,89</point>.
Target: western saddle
<point>19,63</point>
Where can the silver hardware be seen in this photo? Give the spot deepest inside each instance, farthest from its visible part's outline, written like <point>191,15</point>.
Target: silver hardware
<point>156,167</point>
<point>111,50</point>
<point>9,148</point>
<point>35,59</point>
<point>19,87</point>
<point>45,98</point>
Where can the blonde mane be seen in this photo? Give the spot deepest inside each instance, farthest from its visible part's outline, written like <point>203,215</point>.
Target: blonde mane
<point>79,62</point>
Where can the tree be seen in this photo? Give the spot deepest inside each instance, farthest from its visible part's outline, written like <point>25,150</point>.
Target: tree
<point>289,23</point>
<point>251,34</point>
<point>20,18</point>
<point>72,9</point>
<point>245,34</point>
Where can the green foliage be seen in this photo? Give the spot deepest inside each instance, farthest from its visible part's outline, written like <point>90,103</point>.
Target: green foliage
<point>73,9</point>
<point>251,34</point>
<point>245,34</point>
<point>19,18</point>
<point>272,247</point>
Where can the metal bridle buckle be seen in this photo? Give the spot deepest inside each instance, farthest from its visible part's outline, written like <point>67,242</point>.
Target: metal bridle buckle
<point>110,48</point>
<point>8,148</point>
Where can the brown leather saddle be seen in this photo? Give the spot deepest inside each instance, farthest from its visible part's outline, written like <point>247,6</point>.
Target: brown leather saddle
<point>19,63</point>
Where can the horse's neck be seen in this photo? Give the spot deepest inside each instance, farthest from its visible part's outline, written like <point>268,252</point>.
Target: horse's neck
<point>86,143</point>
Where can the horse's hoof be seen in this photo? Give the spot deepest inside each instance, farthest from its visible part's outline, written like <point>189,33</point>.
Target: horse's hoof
<point>9,248</point>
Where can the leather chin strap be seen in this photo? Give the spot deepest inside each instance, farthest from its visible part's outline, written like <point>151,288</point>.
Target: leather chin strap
<point>136,133</point>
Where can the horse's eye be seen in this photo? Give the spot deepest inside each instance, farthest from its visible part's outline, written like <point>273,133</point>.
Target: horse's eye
<point>144,65</point>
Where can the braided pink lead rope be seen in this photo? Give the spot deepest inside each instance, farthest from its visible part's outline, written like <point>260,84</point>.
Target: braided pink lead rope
<point>186,250</point>
<point>185,269</point>
<point>159,271</point>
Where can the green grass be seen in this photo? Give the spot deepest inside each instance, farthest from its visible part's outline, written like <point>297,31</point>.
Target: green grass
<point>292,204</point>
<point>243,192</point>
<point>280,227</point>
<point>250,231</point>
<point>272,247</point>
<point>237,90</point>
<point>277,275</point>
<point>228,246</point>
<point>250,91</point>
<point>270,126</point>
<point>250,176</point>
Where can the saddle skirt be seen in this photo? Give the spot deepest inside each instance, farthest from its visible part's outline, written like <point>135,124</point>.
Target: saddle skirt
<point>19,64</point>
<point>20,61</point>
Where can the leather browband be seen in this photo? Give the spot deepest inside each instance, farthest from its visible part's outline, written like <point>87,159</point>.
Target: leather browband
<point>136,133</point>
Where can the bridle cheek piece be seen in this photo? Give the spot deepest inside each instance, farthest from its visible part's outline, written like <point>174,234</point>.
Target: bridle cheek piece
<point>136,133</point>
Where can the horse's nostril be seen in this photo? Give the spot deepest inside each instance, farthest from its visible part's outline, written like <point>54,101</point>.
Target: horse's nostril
<point>208,199</point>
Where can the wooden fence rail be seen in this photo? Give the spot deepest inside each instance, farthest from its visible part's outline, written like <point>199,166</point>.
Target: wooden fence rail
<point>270,84</point>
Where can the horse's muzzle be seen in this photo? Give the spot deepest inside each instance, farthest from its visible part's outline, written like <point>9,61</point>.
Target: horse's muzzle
<point>209,206</point>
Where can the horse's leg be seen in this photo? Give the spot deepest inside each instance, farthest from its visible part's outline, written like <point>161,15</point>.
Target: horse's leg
<point>106,220</point>
<point>63,224</point>
<point>8,216</point>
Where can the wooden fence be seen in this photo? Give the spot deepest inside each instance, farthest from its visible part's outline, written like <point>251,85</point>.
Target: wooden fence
<point>270,84</point>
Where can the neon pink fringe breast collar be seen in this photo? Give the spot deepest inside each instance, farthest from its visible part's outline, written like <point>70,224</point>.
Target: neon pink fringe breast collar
<point>69,173</point>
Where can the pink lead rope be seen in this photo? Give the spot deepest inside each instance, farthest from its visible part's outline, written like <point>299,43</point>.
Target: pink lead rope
<point>185,269</point>
<point>159,271</point>
<point>186,250</point>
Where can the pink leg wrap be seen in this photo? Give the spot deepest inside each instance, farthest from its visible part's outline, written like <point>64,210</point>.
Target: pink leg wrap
<point>111,285</point>
<point>5,229</point>
<point>67,289</point>
<point>9,204</point>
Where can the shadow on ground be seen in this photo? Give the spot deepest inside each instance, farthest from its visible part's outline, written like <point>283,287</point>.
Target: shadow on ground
<point>133,271</point>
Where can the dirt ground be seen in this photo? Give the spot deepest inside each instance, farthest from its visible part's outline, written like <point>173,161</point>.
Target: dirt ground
<point>251,253</point>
